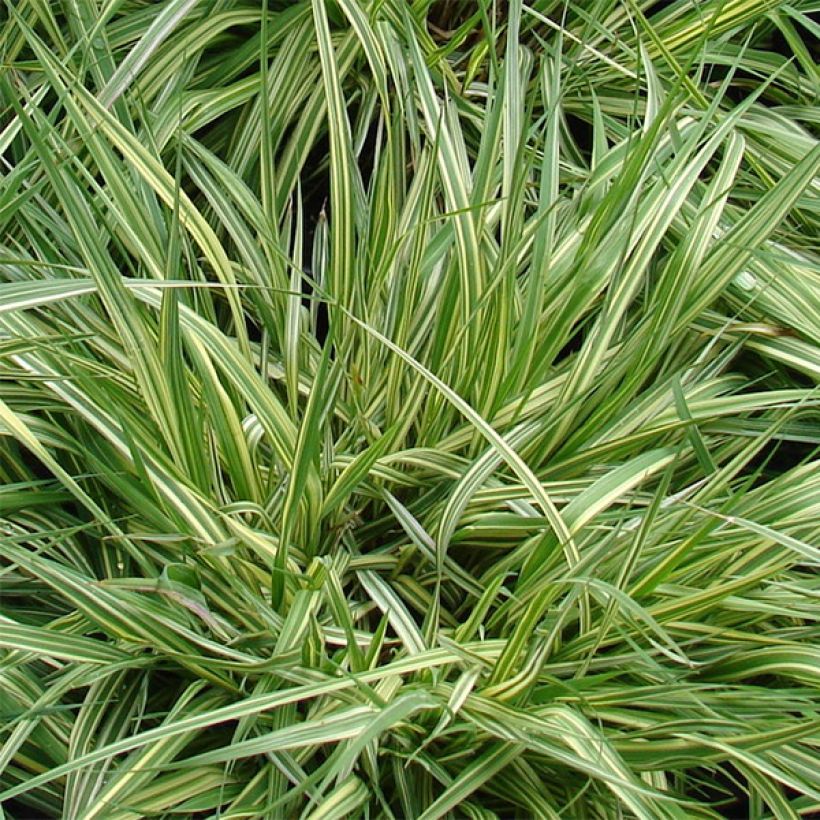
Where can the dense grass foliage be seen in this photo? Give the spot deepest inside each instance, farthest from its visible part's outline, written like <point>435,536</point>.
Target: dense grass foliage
<point>409,409</point>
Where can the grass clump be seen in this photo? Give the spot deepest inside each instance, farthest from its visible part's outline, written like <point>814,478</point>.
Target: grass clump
<point>409,409</point>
